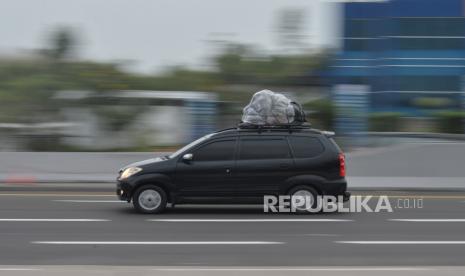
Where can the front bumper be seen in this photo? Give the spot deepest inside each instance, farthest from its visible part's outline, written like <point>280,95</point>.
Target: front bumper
<point>123,190</point>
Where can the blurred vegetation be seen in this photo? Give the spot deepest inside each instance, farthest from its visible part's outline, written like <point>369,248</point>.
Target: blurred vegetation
<point>385,121</point>
<point>241,64</point>
<point>320,113</point>
<point>27,86</point>
<point>450,121</point>
<point>432,102</point>
<point>117,117</point>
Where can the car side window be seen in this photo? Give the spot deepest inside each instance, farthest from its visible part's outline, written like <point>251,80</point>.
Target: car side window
<point>276,148</point>
<point>305,147</point>
<point>216,151</point>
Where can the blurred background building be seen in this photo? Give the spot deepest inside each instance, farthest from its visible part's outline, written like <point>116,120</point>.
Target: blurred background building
<point>130,119</point>
<point>407,55</point>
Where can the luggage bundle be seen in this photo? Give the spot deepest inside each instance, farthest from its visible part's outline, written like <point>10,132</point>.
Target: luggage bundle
<point>268,108</point>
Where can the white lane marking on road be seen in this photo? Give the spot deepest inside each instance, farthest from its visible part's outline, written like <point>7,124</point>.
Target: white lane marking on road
<point>250,220</point>
<point>69,194</point>
<point>342,269</point>
<point>321,235</point>
<point>429,220</point>
<point>19,269</point>
<point>158,242</point>
<point>404,242</point>
<point>51,220</point>
<point>88,201</point>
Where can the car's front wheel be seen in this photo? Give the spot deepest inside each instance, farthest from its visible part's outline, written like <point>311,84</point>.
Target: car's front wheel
<point>149,199</point>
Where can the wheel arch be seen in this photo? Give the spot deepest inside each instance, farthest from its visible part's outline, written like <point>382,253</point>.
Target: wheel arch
<point>159,180</point>
<point>314,181</point>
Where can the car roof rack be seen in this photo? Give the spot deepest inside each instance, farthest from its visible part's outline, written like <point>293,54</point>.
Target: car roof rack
<point>243,125</point>
<point>289,127</point>
<point>283,127</point>
<point>225,129</point>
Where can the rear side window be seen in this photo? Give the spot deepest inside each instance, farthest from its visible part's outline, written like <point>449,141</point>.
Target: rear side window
<point>338,149</point>
<point>264,149</point>
<point>216,151</point>
<point>306,147</point>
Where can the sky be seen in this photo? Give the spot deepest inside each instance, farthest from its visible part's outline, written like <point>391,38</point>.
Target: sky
<point>150,35</point>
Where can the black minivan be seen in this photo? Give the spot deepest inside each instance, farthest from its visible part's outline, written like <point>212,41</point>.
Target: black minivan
<point>238,165</point>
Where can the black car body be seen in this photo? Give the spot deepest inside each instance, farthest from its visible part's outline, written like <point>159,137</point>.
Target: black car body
<point>238,166</point>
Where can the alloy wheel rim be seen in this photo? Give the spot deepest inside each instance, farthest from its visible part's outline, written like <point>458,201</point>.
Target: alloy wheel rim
<point>308,198</point>
<point>149,199</point>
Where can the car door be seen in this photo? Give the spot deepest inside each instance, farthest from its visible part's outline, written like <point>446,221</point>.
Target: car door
<point>208,174</point>
<point>263,163</point>
<point>309,157</point>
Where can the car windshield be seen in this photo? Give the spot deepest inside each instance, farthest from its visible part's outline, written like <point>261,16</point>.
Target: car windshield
<point>196,142</point>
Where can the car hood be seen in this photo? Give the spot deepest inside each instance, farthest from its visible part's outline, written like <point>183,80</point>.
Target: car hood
<point>144,163</point>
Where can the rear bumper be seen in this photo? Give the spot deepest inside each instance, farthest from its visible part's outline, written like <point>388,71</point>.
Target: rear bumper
<point>346,196</point>
<point>336,188</point>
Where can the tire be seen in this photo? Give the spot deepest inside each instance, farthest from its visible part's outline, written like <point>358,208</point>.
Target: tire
<point>304,190</point>
<point>149,199</point>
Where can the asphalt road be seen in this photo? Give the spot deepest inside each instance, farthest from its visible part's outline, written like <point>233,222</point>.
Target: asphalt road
<point>93,228</point>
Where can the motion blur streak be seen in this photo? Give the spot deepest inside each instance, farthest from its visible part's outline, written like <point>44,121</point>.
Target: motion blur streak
<point>87,87</point>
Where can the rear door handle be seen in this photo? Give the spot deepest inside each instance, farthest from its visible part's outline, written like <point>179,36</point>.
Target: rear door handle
<point>284,166</point>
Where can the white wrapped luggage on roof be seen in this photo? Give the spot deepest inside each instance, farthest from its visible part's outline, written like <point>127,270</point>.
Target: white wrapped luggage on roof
<point>268,108</point>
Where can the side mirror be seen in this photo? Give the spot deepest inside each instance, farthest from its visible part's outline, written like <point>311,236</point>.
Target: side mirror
<point>188,157</point>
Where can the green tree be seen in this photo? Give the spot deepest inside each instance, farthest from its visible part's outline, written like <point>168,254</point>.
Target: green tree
<point>62,44</point>
<point>239,64</point>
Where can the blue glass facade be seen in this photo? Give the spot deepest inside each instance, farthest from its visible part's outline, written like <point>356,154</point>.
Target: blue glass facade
<point>405,51</point>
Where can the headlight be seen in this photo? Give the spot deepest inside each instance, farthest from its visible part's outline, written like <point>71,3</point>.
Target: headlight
<point>130,171</point>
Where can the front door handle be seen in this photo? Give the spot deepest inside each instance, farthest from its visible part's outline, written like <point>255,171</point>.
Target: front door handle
<point>284,166</point>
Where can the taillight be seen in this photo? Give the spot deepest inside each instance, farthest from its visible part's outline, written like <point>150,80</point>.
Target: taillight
<point>342,165</point>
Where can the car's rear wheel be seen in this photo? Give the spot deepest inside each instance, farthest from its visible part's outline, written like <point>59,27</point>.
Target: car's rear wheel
<point>306,196</point>
<point>150,199</point>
